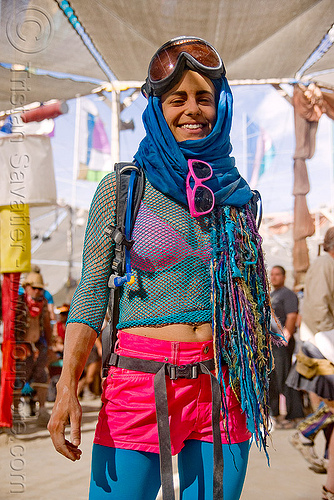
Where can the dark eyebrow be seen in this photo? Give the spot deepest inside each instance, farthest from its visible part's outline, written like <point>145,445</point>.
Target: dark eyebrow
<point>206,92</point>
<point>182,93</point>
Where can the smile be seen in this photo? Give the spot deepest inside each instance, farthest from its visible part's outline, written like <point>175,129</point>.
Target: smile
<point>192,125</point>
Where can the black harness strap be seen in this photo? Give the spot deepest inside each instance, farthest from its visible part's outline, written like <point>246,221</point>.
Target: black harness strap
<point>165,447</point>
<point>117,234</point>
<point>190,371</point>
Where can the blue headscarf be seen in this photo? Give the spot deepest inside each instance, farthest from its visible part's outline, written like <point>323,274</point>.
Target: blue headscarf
<point>164,160</point>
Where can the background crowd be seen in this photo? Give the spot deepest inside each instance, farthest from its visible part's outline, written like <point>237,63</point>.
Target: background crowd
<point>40,334</point>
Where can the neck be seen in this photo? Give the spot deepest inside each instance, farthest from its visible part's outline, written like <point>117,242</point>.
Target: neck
<point>278,287</point>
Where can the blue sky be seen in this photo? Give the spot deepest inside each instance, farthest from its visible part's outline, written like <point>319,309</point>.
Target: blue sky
<point>262,104</point>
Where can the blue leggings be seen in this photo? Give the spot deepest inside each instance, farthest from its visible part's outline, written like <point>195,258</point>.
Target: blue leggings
<point>119,474</point>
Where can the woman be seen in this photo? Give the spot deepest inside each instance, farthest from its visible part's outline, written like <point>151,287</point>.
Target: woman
<point>199,302</point>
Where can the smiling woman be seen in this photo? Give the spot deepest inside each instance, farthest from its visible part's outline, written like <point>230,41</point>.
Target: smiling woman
<point>189,107</point>
<point>189,375</point>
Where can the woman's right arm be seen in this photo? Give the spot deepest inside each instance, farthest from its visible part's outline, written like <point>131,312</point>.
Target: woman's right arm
<point>79,340</point>
<point>88,308</point>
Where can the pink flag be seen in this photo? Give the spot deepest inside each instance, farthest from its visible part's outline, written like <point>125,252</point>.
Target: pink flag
<point>100,138</point>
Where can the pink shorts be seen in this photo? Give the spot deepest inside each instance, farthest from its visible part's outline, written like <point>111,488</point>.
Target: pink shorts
<point>127,418</point>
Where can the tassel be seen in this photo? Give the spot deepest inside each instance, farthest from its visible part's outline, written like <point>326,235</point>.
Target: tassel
<point>242,315</point>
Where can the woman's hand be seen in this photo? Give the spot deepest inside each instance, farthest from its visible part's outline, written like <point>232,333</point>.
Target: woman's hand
<point>66,411</point>
<point>79,340</point>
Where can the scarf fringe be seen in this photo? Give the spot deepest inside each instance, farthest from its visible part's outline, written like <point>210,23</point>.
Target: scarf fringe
<point>242,316</point>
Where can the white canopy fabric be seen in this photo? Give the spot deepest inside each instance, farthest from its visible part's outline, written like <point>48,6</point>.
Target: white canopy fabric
<point>36,35</point>
<point>257,39</point>
<point>18,88</point>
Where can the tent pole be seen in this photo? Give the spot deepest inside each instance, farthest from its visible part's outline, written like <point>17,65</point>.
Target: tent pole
<point>71,208</point>
<point>76,150</point>
<point>115,114</point>
<point>244,146</point>
<point>332,170</point>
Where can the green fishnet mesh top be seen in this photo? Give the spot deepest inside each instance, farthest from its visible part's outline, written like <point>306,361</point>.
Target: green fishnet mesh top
<point>170,261</point>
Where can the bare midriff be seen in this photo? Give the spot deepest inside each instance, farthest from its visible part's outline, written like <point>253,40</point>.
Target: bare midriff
<point>33,331</point>
<point>178,332</point>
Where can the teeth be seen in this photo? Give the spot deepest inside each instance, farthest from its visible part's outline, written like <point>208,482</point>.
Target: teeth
<point>193,125</point>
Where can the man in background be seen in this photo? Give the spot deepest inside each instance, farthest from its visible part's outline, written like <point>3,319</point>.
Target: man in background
<point>285,305</point>
<point>317,333</point>
<point>33,335</point>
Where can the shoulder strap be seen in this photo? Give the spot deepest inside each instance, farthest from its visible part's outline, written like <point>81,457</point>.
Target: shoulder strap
<point>122,241</point>
<point>117,233</point>
<point>256,207</point>
<point>123,173</point>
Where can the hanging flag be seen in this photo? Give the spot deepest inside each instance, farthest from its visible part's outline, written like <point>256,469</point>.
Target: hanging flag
<point>26,173</point>
<point>45,127</point>
<point>100,138</point>
<point>94,146</point>
<point>260,152</point>
<point>15,125</point>
<point>10,287</point>
<point>15,241</point>
<point>7,125</point>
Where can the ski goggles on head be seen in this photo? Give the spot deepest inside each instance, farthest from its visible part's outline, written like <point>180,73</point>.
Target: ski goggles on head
<point>168,63</point>
<point>201,199</point>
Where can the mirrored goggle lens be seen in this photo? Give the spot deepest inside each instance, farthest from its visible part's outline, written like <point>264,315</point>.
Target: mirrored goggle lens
<point>203,199</point>
<point>201,170</point>
<point>165,61</point>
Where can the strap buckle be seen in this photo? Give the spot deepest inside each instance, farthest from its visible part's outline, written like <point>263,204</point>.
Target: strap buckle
<point>118,237</point>
<point>182,371</point>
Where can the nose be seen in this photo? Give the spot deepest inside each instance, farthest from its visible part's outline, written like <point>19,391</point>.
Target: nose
<point>192,107</point>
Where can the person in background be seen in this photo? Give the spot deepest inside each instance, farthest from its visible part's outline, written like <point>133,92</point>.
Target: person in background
<point>62,319</point>
<point>55,358</point>
<point>48,296</point>
<point>91,372</point>
<point>33,336</point>
<point>285,305</point>
<point>314,369</point>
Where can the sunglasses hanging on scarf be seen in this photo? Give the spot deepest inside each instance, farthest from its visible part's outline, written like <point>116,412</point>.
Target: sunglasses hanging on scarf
<point>201,199</point>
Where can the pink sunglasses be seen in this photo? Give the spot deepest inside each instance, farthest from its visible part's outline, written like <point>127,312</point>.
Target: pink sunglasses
<point>201,199</point>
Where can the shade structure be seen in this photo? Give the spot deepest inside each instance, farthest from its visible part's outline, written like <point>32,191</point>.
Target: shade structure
<point>258,39</point>
<point>37,32</point>
<point>42,55</point>
<point>18,89</point>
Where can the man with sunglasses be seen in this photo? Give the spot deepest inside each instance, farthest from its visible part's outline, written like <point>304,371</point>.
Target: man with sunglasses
<point>189,375</point>
<point>33,335</point>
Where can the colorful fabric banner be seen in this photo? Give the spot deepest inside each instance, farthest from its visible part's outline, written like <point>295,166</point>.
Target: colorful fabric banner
<point>44,127</point>
<point>94,146</point>
<point>15,242</point>
<point>10,287</point>
<point>100,138</point>
<point>260,152</point>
